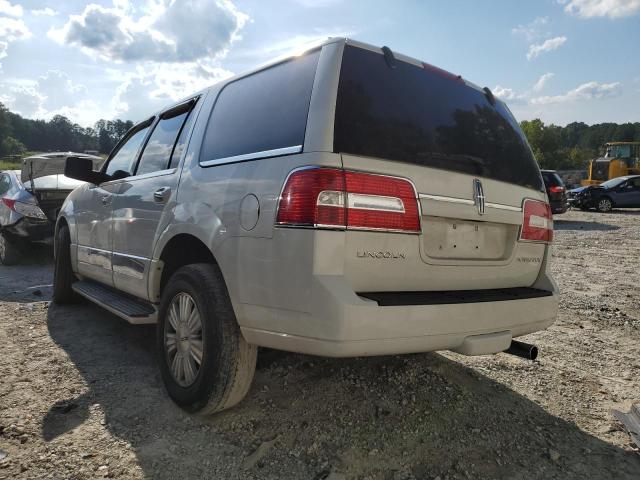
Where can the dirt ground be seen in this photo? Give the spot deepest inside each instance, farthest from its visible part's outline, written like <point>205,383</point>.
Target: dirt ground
<point>81,397</point>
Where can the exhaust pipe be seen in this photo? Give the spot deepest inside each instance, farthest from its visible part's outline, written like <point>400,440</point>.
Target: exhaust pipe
<point>523,350</point>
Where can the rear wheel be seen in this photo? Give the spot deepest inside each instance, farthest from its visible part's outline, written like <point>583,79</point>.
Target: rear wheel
<point>63,276</point>
<point>205,363</point>
<point>9,252</point>
<point>605,205</point>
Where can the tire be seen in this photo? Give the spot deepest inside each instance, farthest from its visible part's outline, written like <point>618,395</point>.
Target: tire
<point>227,361</point>
<point>604,205</point>
<point>63,276</point>
<point>9,252</point>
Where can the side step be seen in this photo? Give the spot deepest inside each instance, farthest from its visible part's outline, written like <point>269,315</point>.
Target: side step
<point>133,310</point>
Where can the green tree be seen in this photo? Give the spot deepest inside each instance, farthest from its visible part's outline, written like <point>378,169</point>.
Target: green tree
<point>11,146</point>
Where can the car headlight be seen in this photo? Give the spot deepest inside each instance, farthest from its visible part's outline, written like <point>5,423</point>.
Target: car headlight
<point>29,210</point>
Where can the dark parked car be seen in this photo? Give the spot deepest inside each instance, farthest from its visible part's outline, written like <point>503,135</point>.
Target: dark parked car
<point>556,191</point>
<point>621,192</point>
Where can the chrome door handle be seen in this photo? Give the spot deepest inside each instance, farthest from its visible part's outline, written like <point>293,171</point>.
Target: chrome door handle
<point>106,200</point>
<point>162,194</point>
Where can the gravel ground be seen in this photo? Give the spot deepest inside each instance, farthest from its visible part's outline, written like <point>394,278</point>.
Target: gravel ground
<point>81,397</point>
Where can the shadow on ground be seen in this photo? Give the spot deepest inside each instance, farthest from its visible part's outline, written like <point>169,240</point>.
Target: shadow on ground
<point>559,224</point>
<point>419,415</point>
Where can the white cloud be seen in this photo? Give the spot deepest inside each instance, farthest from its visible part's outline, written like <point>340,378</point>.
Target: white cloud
<point>151,88</point>
<point>586,91</point>
<point>6,8</point>
<point>46,12</point>
<point>171,31</point>
<point>52,94</point>
<point>601,8</point>
<point>532,30</point>
<point>11,29</point>
<point>508,94</point>
<point>24,100</point>
<point>547,46</point>
<point>542,81</point>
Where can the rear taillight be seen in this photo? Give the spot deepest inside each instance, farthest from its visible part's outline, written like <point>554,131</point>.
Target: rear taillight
<point>334,198</point>
<point>537,222</point>
<point>556,189</point>
<point>26,209</point>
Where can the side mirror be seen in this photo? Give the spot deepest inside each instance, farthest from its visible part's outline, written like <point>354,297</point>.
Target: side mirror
<point>82,169</point>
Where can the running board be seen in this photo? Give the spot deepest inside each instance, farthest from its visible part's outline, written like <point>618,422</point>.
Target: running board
<point>133,310</point>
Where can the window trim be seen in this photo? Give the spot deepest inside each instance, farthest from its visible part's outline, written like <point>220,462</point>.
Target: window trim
<point>276,152</point>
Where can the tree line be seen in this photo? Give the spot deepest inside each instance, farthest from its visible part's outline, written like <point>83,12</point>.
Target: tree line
<point>555,147</point>
<point>19,135</point>
<point>571,147</point>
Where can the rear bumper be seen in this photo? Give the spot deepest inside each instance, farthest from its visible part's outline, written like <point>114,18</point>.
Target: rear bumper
<point>33,230</point>
<point>559,206</point>
<point>345,325</point>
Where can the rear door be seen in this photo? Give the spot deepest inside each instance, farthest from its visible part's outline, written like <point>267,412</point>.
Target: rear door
<point>471,166</point>
<point>140,201</point>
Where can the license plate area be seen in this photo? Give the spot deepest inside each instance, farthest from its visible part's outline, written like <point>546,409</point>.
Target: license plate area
<point>447,238</point>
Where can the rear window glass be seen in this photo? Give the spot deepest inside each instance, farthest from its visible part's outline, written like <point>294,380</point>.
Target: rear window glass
<point>264,111</point>
<point>416,115</point>
<point>155,156</point>
<point>552,179</point>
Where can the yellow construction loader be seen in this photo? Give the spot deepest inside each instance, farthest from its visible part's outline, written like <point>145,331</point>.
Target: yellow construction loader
<point>620,159</point>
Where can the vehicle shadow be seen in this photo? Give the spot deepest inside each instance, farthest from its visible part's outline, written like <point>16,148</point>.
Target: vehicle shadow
<point>420,416</point>
<point>559,224</point>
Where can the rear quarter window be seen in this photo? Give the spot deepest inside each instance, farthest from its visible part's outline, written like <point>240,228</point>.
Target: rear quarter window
<point>264,111</point>
<point>422,116</point>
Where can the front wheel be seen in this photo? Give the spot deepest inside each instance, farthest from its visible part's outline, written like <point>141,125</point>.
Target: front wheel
<point>205,362</point>
<point>605,205</point>
<point>9,252</point>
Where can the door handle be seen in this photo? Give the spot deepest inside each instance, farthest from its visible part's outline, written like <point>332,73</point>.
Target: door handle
<point>162,194</point>
<point>106,200</point>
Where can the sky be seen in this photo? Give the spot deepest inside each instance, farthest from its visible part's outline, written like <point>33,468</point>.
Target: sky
<point>557,60</point>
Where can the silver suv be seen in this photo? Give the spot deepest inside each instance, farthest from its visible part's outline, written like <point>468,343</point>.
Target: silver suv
<point>347,201</point>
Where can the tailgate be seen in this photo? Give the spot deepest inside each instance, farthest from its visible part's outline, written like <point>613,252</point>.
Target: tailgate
<point>458,248</point>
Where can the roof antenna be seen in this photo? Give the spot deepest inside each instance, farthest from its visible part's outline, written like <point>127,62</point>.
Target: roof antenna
<point>388,57</point>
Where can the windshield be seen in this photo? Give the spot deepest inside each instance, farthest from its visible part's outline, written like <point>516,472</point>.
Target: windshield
<point>618,151</point>
<point>614,182</point>
<point>424,116</point>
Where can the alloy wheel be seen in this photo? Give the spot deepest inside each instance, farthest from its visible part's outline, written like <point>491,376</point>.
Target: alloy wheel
<point>604,205</point>
<point>183,339</point>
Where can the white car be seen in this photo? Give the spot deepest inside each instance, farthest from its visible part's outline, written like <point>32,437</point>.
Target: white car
<point>347,201</point>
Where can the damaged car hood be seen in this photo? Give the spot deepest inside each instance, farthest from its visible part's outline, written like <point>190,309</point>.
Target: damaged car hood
<point>51,167</point>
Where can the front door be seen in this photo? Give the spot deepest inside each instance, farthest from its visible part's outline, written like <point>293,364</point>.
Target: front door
<point>94,207</point>
<point>143,202</point>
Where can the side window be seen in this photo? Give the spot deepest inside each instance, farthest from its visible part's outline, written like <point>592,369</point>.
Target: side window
<point>182,141</point>
<point>264,111</point>
<point>157,152</point>
<point>5,183</point>
<point>125,157</point>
